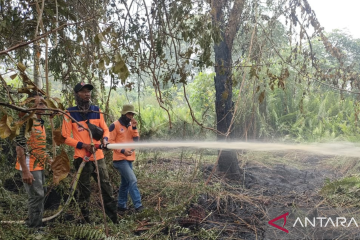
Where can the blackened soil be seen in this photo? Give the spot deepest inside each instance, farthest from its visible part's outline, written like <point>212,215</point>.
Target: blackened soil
<point>262,193</point>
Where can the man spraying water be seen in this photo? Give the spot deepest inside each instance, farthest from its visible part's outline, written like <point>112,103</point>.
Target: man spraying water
<point>86,113</point>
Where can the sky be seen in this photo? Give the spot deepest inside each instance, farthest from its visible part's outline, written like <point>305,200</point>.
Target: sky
<point>335,14</point>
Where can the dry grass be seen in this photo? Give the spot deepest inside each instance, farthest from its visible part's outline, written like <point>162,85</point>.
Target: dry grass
<point>172,183</point>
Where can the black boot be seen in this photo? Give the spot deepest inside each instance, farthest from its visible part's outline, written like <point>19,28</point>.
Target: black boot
<point>114,219</point>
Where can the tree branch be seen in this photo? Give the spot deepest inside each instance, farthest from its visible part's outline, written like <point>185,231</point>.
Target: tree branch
<point>234,22</point>
<point>194,118</point>
<point>40,37</point>
<point>7,89</point>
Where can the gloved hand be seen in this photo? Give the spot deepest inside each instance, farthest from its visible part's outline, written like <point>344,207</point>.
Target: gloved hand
<point>105,143</point>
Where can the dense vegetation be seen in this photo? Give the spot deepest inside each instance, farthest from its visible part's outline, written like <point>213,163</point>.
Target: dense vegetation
<point>287,80</point>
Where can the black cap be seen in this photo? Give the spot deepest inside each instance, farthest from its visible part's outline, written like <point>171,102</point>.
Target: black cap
<point>81,85</point>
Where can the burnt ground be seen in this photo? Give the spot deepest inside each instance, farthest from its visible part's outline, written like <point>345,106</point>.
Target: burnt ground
<point>272,184</point>
<point>265,191</point>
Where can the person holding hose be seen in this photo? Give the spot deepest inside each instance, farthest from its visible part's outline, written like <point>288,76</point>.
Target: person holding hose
<point>124,131</point>
<point>87,114</point>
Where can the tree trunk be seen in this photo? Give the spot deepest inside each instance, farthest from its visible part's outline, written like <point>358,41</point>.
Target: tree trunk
<point>228,162</point>
<point>263,114</point>
<point>37,78</point>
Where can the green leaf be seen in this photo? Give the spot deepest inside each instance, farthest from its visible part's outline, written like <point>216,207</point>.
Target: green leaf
<point>107,60</point>
<point>120,68</point>
<point>62,3</point>
<point>118,58</point>
<point>99,38</point>
<point>79,38</point>
<point>124,74</point>
<point>102,65</point>
<point>21,67</point>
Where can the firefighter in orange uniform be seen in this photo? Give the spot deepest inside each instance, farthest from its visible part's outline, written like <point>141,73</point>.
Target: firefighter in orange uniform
<point>80,140</point>
<point>31,158</point>
<point>124,131</point>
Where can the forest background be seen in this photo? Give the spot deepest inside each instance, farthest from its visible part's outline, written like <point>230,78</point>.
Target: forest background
<point>195,70</point>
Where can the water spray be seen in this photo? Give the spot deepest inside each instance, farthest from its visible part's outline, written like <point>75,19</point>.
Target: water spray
<point>334,149</point>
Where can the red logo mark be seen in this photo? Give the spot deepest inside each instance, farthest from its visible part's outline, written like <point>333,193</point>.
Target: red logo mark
<point>271,222</point>
<point>82,83</point>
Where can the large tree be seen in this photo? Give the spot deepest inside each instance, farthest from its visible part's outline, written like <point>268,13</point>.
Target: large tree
<point>168,42</point>
<point>226,15</point>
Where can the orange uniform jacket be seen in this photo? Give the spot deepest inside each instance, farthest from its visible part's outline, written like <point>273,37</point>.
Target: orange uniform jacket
<point>119,133</point>
<point>79,134</point>
<point>35,148</point>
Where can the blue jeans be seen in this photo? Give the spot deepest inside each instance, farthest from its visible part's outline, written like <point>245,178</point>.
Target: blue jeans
<point>128,184</point>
